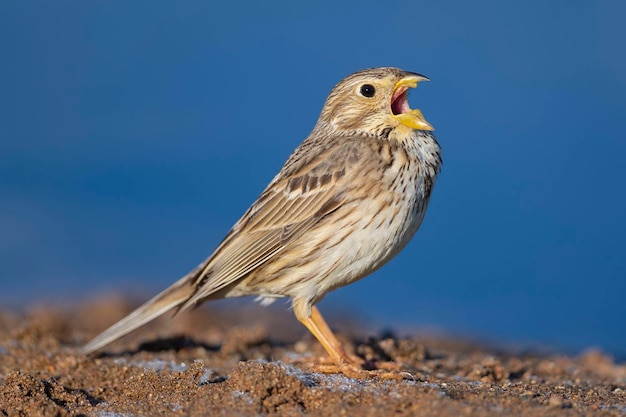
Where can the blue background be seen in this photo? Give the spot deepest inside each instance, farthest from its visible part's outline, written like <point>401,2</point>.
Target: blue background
<point>134,134</point>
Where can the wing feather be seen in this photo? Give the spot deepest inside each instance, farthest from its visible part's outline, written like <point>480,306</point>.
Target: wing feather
<point>294,202</point>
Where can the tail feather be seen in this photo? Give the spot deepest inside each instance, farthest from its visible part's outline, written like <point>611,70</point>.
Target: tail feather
<point>170,298</point>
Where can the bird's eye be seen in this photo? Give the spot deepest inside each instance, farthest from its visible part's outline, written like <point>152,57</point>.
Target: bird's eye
<point>368,90</point>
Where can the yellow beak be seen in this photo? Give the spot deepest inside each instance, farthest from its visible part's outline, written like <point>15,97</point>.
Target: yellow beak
<point>400,107</point>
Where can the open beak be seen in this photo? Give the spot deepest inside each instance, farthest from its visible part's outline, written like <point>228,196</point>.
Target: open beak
<point>400,109</point>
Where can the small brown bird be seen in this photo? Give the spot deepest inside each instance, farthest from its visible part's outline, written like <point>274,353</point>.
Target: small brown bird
<point>347,200</point>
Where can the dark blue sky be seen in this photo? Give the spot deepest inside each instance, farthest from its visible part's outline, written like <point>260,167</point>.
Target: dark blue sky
<point>134,134</point>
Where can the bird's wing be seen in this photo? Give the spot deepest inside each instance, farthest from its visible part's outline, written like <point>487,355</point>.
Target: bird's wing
<point>309,186</point>
<point>301,194</point>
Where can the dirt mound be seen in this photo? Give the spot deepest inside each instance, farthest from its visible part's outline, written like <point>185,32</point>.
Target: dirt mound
<point>248,361</point>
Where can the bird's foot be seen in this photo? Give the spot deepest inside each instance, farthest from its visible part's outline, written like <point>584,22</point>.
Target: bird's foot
<point>355,367</point>
<point>359,372</point>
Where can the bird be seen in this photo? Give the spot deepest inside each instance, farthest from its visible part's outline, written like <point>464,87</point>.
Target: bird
<point>346,201</point>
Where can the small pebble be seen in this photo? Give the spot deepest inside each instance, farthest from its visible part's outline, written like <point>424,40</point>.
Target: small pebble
<point>555,402</point>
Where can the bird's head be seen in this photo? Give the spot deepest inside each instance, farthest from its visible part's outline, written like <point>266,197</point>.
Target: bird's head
<point>374,101</point>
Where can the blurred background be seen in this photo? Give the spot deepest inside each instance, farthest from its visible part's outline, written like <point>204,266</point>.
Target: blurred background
<point>134,134</point>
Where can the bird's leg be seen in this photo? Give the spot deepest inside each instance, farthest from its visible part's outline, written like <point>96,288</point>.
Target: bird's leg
<point>346,364</point>
<point>349,365</point>
<point>316,325</point>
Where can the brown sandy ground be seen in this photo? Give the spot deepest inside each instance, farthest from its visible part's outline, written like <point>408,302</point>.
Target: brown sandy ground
<point>240,362</point>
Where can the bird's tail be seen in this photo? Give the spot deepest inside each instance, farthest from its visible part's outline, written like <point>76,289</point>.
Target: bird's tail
<point>170,298</point>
